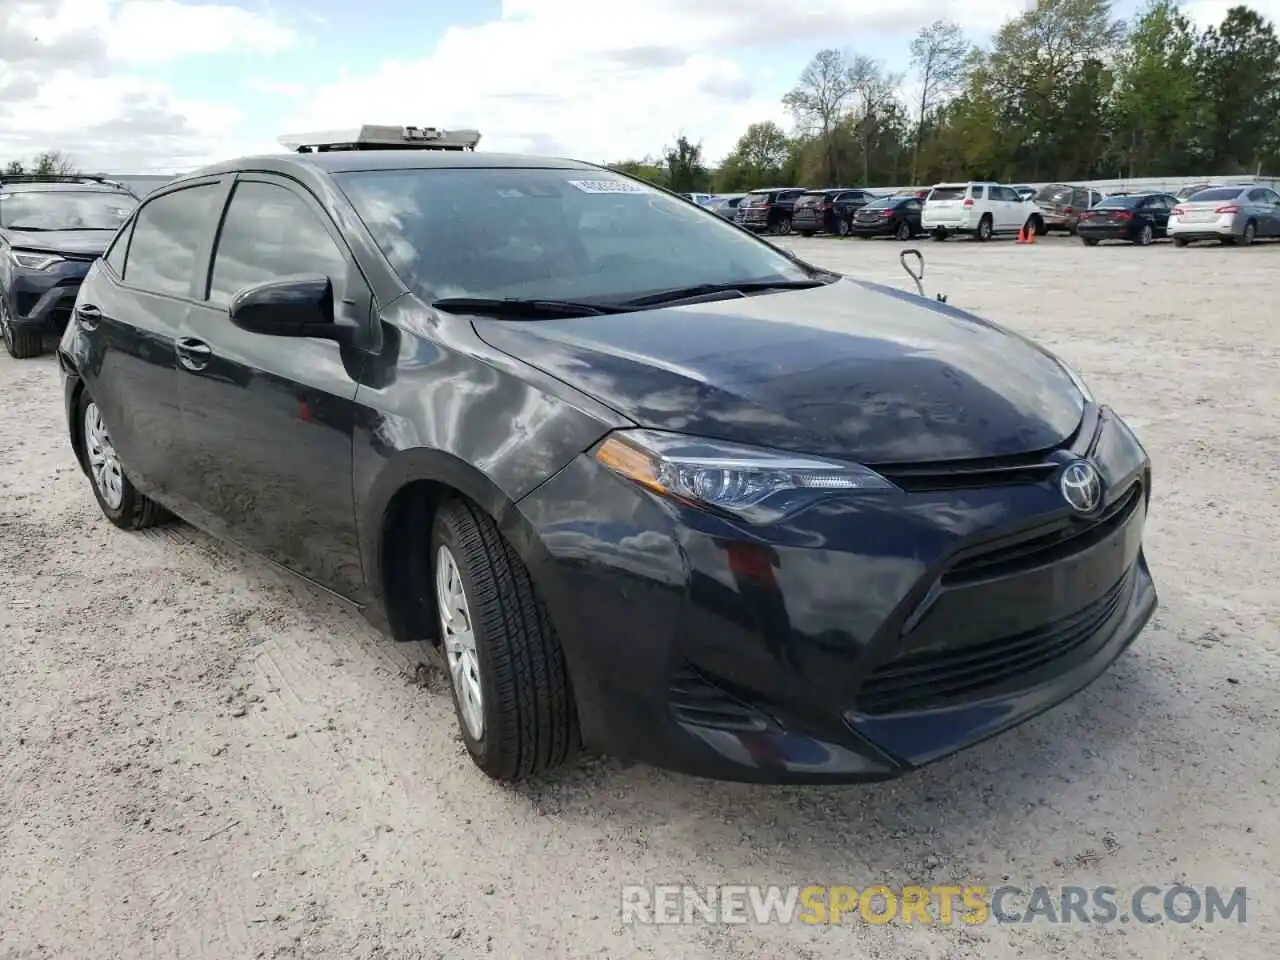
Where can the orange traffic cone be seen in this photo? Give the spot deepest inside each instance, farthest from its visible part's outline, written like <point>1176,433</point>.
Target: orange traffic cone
<point>1022,234</point>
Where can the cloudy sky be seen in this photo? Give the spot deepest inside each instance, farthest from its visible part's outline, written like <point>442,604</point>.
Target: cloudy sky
<point>138,86</point>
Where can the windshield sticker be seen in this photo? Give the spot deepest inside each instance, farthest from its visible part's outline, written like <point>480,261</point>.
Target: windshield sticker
<point>609,186</point>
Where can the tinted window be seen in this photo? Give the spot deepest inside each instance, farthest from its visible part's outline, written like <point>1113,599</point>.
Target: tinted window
<point>1271,197</point>
<point>884,202</point>
<point>1054,193</point>
<point>167,236</point>
<point>948,193</point>
<point>555,234</point>
<point>1119,203</point>
<point>115,256</point>
<point>1214,194</point>
<point>1258,196</point>
<point>270,232</point>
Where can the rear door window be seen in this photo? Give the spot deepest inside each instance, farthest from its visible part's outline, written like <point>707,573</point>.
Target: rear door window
<point>978,192</point>
<point>115,256</point>
<point>169,233</point>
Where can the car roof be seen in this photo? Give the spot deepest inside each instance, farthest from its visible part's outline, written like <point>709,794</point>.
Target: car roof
<point>349,161</point>
<point>58,187</point>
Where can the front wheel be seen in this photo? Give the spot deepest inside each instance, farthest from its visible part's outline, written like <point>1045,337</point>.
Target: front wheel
<point>117,497</point>
<point>806,233</point>
<point>20,344</point>
<point>507,671</point>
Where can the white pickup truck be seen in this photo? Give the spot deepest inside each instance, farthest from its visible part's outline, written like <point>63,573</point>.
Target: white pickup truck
<point>978,209</point>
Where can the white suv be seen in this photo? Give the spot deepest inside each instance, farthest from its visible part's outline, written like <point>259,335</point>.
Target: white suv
<point>978,209</point>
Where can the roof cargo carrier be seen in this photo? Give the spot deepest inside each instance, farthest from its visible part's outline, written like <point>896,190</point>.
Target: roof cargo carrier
<point>377,137</point>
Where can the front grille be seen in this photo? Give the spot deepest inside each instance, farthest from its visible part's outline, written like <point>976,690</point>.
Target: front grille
<point>939,678</point>
<point>1042,545</point>
<point>969,474</point>
<point>693,698</point>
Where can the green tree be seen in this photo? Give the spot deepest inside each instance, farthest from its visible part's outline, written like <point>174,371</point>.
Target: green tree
<point>820,101</point>
<point>1037,62</point>
<point>685,171</point>
<point>874,91</point>
<point>757,159</point>
<point>939,56</point>
<point>1157,95</point>
<point>1238,68</point>
<point>646,169</point>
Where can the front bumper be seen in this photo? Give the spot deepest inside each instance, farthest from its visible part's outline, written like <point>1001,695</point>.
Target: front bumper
<point>43,299</point>
<point>858,640</point>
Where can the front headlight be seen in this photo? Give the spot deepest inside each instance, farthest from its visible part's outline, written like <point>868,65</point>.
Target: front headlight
<point>760,486</point>
<point>34,261</point>
<point>1078,380</point>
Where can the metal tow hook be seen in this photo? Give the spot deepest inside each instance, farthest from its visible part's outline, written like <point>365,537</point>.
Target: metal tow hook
<point>917,277</point>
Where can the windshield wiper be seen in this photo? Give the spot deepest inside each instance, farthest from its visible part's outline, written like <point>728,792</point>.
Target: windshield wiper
<point>700,289</point>
<point>515,306</point>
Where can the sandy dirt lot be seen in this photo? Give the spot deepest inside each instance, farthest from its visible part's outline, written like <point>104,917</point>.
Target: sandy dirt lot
<point>201,757</point>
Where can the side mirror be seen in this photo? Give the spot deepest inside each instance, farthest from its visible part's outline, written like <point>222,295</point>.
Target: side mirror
<point>289,307</point>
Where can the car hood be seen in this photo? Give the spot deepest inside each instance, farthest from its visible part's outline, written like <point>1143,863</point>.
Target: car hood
<point>851,369</point>
<point>88,242</point>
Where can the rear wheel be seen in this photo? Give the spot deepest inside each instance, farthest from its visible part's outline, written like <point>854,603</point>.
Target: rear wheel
<point>1179,241</point>
<point>842,227</point>
<point>904,231</point>
<point>1146,235</point>
<point>1089,241</point>
<point>806,233</point>
<point>1250,233</point>
<point>119,501</point>
<point>984,229</point>
<point>783,227</point>
<point>938,235</point>
<point>20,344</point>
<point>507,671</point>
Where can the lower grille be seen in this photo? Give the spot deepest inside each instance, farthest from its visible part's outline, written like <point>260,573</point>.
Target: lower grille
<point>940,678</point>
<point>693,698</point>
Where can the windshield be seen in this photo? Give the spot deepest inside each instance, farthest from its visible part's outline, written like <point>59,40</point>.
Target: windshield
<point>64,210</point>
<point>551,234</point>
<point>1214,194</point>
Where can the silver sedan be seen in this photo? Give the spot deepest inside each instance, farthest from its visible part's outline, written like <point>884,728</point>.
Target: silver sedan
<point>1226,214</point>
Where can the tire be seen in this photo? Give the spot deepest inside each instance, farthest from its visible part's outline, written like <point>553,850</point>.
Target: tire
<point>842,227</point>
<point>119,501</point>
<point>1146,236</point>
<point>1037,226</point>
<point>528,720</point>
<point>938,235</point>
<point>1089,241</point>
<point>1249,235</point>
<point>783,227</point>
<point>903,232</point>
<point>20,344</point>
<point>806,233</point>
<point>984,229</point>
<point>1179,241</point>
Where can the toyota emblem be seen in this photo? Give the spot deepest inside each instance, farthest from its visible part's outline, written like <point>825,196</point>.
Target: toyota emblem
<point>1081,486</point>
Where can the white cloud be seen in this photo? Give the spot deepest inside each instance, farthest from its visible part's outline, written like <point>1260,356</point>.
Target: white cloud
<point>69,80</point>
<point>608,82</point>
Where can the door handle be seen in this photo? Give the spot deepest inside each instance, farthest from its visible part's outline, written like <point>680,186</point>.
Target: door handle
<point>192,353</point>
<point>88,316</point>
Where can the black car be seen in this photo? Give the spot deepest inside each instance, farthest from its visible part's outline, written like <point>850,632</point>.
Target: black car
<point>51,229</point>
<point>662,491</point>
<point>889,217</point>
<point>768,210</point>
<point>828,211</point>
<point>1138,218</point>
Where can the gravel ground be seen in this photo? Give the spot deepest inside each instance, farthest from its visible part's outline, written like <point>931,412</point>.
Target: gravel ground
<point>200,756</point>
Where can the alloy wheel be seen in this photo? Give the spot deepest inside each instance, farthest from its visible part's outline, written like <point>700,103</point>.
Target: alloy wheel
<point>1249,232</point>
<point>104,462</point>
<point>1145,236</point>
<point>458,634</point>
<point>904,231</point>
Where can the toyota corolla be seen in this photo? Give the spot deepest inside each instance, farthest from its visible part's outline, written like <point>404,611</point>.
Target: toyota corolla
<point>650,484</point>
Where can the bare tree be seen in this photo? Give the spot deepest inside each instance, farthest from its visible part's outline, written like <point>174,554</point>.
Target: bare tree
<point>54,162</point>
<point>939,54</point>
<point>820,101</point>
<point>873,90</point>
